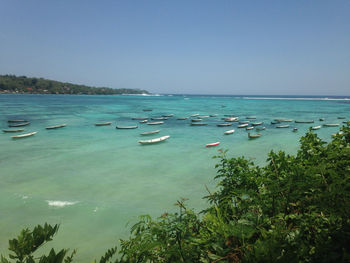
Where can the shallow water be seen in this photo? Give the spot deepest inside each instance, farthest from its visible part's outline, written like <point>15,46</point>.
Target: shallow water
<point>94,180</point>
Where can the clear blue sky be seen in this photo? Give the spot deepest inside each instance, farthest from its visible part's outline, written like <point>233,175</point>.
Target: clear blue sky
<point>207,47</point>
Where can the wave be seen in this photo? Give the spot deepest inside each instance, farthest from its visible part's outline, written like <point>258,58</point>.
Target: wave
<point>56,203</point>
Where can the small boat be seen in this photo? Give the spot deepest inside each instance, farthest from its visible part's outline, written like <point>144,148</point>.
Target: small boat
<point>331,124</point>
<point>155,123</point>
<point>103,123</point>
<point>156,140</point>
<point>13,130</point>
<point>194,120</point>
<point>143,121</point>
<point>316,127</point>
<point>195,115</point>
<point>253,136</point>
<point>23,135</point>
<point>260,128</point>
<point>229,132</point>
<point>212,144</point>
<point>249,128</point>
<point>282,120</point>
<point>229,115</point>
<point>168,115</point>
<point>275,122</point>
<point>56,126</point>
<point>149,133</point>
<point>295,129</point>
<point>257,123</point>
<point>147,109</point>
<point>126,127</point>
<point>282,126</point>
<point>231,119</point>
<point>322,119</point>
<point>198,124</point>
<point>345,121</point>
<point>304,121</point>
<point>182,118</point>
<point>213,115</point>
<point>251,117</point>
<point>243,125</point>
<point>139,118</point>
<point>244,122</point>
<point>17,121</point>
<point>203,117</point>
<point>224,124</point>
<point>159,118</point>
<point>342,117</point>
<point>19,124</point>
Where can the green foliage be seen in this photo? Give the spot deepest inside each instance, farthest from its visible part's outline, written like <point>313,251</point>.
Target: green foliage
<point>22,84</point>
<point>24,246</point>
<point>294,209</point>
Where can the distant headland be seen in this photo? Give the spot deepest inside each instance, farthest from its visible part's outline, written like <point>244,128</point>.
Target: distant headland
<point>12,84</point>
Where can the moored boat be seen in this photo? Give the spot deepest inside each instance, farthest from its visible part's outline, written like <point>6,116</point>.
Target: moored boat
<point>316,127</point>
<point>156,140</point>
<point>198,124</point>
<point>159,118</point>
<point>260,128</point>
<point>213,115</point>
<point>168,115</point>
<point>13,130</point>
<point>341,117</point>
<point>224,124</point>
<point>149,133</point>
<point>56,126</point>
<point>229,132</point>
<point>23,135</point>
<point>243,125</point>
<point>282,126</point>
<point>253,136</point>
<point>155,123</point>
<point>244,122</point>
<point>295,129</point>
<point>338,133</point>
<point>19,124</point>
<point>249,128</point>
<point>251,117</point>
<point>331,124</point>
<point>139,118</point>
<point>182,118</point>
<point>257,123</point>
<point>126,127</point>
<point>322,119</point>
<point>212,144</point>
<point>196,120</point>
<point>103,123</point>
<point>231,119</point>
<point>311,121</point>
<point>17,121</point>
<point>143,121</point>
<point>195,115</point>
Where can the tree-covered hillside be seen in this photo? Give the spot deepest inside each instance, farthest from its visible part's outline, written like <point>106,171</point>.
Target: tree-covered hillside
<point>23,84</point>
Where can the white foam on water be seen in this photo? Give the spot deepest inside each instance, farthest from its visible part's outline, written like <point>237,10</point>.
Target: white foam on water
<point>60,203</point>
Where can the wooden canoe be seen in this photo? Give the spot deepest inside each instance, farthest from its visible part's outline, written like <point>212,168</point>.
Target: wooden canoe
<point>224,124</point>
<point>156,140</point>
<point>243,125</point>
<point>126,127</point>
<point>316,127</point>
<point>23,135</point>
<point>56,126</point>
<point>331,124</point>
<point>149,133</point>
<point>198,124</point>
<point>155,123</point>
<point>13,130</point>
<point>103,123</point>
<point>17,121</point>
<point>253,136</point>
<point>19,124</point>
<point>282,126</point>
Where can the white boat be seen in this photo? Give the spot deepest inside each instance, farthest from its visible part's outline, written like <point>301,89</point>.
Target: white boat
<point>282,126</point>
<point>231,119</point>
<point>316,127</point>
<point>150,132</point>
<point>243,125</point>
<point>195,115</point>
<point>13,130</point>
<point>203,117</point>
<point>257,123</point>
<point>159,118</point>
<point>156,140</point>
<point>331,124</point>
<point>23,135</point>
<point>249,128</point>
<point>155,123</point>
<point>311,121</point>
<point>229,132</point>
<point>196,120</point>
<point>126,127</point>
<point>243,122</point>
<point>338,133</point>
<point>143,121</point>
<point>103,123</point>
<point>56,126</point>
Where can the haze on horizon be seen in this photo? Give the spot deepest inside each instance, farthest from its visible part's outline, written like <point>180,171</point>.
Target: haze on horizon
<point>182,47</point>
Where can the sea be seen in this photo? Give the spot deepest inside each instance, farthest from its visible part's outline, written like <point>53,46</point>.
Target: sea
<point>95,181</point>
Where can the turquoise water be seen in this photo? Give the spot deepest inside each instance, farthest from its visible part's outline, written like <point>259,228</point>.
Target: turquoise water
<point>94,180</point>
